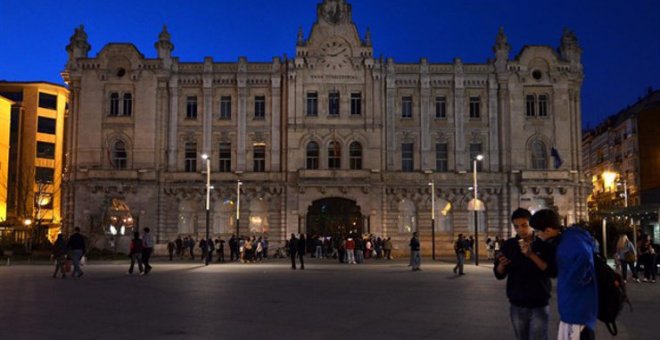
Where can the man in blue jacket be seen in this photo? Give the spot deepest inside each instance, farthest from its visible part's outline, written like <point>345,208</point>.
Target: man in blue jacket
<point>577,289</point>
<point>528,263</point>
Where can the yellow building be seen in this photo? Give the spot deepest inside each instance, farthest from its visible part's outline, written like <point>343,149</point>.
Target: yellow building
<point>34,170</point>
<point>5,119</point>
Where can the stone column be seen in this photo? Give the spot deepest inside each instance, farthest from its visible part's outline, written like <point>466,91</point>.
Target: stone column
<point>173,123</point>
<point>241,120</point>
<point>207,93</point>
<point>493,122</point>
<point>390,114</point>
<point>276,101</point>
<point>425,116</point>
<point>460,156</point>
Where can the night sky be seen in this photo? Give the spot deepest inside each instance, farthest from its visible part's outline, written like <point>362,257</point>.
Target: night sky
<point>620,39</point>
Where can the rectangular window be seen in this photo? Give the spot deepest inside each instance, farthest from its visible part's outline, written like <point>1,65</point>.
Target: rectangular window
<point>44,175</point>
<point>43,200</point>
<point>46,150</point>
<point>191,107</point>
<point>13,96</point>
<point>312,104</point>
<point>333,103</point>
<point>530,102</point>
<point>543,105</point>
<point>46,125</point>
<point>406,107</point>
<point>441,157</point>
<point>190,157</point>
<point>475,149</point>
<point>475,107</point>
<point>114,104</point>
<point>440,107</point>
<point>225,157</point>
<point>225,107</point>
<point>407,161</point>
<point>259,158</point>
<point>47,101</point>
<point>128,104</point>
<point>356,104</point>
<point>259,107</point>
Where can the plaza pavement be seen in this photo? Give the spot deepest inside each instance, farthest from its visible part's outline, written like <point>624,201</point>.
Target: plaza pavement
<point>186,300</point>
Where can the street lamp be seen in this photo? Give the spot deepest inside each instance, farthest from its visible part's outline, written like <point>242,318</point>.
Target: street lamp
<point>476,207</point>
<point>238,206</point>
<point>432,184</point>
<point>206,158</point>
<point>625,192</point>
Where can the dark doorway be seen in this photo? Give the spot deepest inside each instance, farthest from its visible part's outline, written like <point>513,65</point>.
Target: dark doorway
<point>335,217</point>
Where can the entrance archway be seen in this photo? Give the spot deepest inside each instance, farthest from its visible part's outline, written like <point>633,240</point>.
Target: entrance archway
<point>335,217</point>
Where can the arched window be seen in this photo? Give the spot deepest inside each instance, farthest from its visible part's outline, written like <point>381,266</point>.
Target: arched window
<point>443,216</point>
<point>539,156</point>
<point>334,155</point>
<point>312,155</point>
<point>128,104</point>
<point>355,152</point>
<point>482,226</point>
<point>407,214</point>
<point>119,156</point>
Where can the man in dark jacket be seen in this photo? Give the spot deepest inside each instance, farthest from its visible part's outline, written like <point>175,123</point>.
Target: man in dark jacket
<point>528,264</point>
<point>293,249</point>
<point>76,246</point>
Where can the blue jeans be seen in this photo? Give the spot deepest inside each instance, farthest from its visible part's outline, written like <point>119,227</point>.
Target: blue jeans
<point>76,255</point>
<point>460,260</point>
<point>530,323</point>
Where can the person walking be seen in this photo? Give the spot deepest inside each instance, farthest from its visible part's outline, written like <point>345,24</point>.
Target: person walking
<point>648,258</point>
<point>460,247</point>
<point>577,287</point>
<point>221,249</point>
<point>170,249</point>
<point>625,251</point>
<point>528,265</point>
<point>179,247</point>
<point>293,249</point>
<point>233,254</point>
<point>302,246</point>
<point>135,253</point>
<point>415,258</point>
<point>147,249</point>
<point>59,255</point>
<point>387,247</point>
<point>76,247</point>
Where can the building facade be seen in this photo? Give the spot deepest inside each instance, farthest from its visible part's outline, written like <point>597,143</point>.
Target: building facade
<point>330,141</point>
<point>621,156</point>
<point>35,159</point>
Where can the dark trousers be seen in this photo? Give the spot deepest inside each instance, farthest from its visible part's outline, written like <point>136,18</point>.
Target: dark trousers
<point>293,260</point>
<point>146,255</point>
<point>221,255</point>
<point>302,262</point>
<point>233,254</point>
<point>171,252</point>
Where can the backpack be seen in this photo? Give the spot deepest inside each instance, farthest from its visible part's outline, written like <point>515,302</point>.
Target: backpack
<point>611,294</point>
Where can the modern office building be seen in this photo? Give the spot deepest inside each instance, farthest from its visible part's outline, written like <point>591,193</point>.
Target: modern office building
<point>326,142</point>
<point>35,153</point>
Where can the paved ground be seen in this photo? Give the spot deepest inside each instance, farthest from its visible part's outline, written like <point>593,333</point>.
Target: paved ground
<point>383,300</point>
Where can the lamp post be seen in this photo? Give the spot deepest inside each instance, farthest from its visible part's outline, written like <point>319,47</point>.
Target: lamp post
<point>625,193</point>
<point>206,158</point>
<point>238,207</point>
<point>432,184</point>
<point>476,207</point>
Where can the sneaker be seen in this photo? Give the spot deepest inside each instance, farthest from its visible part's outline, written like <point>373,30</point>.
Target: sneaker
<point>636,280</point>
<point>455,270</point>
<point>645,280</point>
<point>652,281</point>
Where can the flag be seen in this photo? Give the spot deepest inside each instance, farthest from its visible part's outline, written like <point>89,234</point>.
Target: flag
<point>555,156</point>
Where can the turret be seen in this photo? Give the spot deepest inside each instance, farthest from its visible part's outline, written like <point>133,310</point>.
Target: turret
<point>164,46</point>
<point>569,49</point>
<point>501,50</point>
<point>78,46</point>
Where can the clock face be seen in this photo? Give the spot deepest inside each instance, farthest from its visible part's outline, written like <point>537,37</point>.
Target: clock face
<point>335,55</point>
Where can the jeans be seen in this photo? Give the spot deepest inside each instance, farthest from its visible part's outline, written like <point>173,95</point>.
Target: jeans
<point>319,252</point>
<point>530,323</point>
<point>76,255</point>
<point>136,257</point>
<point>350,256</point>
<point>460,260</point>
<point>146,255</point>
<point>624,270</point>
<point>415,259</point>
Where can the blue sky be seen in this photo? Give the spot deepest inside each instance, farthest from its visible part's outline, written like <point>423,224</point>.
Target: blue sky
<point>620,40</point>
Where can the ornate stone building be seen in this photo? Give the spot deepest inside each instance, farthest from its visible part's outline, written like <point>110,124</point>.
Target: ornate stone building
<point>329,141</point>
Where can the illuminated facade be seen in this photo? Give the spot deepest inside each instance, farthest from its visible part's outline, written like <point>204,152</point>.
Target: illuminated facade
<point>36,145</point>
<point>622,158</point>
<point>329,141</point>
<point>5,119</point>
